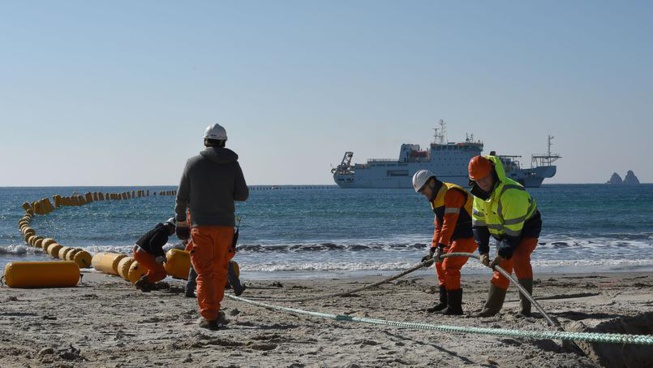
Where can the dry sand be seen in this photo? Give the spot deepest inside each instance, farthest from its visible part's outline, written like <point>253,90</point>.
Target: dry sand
<point>105,322</point>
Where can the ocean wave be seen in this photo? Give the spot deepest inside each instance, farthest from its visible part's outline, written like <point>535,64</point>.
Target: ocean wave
<point>322,247</point>
<point>473,266</point>
<point>19,249</point>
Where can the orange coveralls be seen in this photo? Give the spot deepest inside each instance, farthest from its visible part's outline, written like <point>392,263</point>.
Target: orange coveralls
<point>453,229</point>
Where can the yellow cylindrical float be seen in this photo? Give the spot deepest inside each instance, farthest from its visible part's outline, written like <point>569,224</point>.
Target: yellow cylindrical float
<point>30,239</point>
<point>34,239</point>
<point>178,263</point>
<point>136,271</point>
<point>41,274</point>
<point>83,259</point>
<point>53,250</point>
<point>27,231</point>
<point>38,242</point>
<point>71,254</point>
<point>46,242</point>
<point>107,262</point>
<point>123,267</point>
<point>62,252</point>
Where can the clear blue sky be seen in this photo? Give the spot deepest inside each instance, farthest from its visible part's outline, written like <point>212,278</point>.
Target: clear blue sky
<point>120,92</point>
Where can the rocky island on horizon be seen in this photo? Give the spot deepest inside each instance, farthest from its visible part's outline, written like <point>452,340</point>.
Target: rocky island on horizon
<point>630,179</point>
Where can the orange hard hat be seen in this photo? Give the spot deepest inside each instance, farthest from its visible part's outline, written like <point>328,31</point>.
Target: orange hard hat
<point>479,167</point>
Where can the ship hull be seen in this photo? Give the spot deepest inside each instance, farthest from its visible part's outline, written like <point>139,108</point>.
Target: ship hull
<point>382,177</point>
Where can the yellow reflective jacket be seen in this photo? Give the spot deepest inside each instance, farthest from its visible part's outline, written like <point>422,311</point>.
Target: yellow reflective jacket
<point>508,214</point>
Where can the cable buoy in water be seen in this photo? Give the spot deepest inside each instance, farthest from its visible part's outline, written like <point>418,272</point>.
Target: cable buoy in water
<point>46,242</point>
<point>53,250</point>
<point>41,274</point>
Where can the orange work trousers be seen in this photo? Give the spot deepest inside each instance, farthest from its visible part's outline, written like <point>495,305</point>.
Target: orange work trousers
<point>448,271</point>
<point>155,271</point>
<point>210,257</point>
<point>520,262</point>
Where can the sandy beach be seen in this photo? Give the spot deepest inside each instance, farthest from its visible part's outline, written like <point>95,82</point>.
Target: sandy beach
<point>105,322</point>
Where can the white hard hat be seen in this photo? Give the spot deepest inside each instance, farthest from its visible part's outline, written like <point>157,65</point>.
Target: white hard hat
<point>215,131</point>
<point>420,178</point>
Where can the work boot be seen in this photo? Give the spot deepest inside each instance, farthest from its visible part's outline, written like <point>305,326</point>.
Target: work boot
<point>234,281</point>
<point>209,325</point>
<point>214,324</point>
<point>494,302</point>
<point>143,285</point>
<point>443,301</point>
<point>454,307</point>
<point>524,302</point>
<point>191,285</point>
<point>222,319</point>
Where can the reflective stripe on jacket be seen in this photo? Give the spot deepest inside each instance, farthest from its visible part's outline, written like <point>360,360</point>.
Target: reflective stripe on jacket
<point>508,208</point>
<point>453,214</point>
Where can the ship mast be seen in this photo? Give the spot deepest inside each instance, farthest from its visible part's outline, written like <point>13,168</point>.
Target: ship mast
<point>545,160</point>
<point>439,134</point>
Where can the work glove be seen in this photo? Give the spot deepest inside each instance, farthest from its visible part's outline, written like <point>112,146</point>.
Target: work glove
<point>182,230</point>
<point>160,259</point>
<point>439,252</point>
<point>496,261</point>
<point>429,257</point>
<point>485,259</point>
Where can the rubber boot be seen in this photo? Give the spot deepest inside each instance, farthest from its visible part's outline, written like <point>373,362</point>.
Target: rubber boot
<point>234,281</point>
<point>524,302</point>
<point>443,301</point>
<point>191,285</point>
<point>144,285</point>
<point>454,308</point>
<point>494,302</point>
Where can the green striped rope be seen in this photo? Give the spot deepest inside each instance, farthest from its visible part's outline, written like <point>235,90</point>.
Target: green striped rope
<point>554,335</point>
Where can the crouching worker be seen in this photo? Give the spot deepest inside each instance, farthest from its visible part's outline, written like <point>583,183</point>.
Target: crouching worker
<point>452,206</point>
<point>148,252</point>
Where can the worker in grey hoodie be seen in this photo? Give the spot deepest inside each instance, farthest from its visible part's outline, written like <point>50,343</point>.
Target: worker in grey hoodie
<point>210,184</point>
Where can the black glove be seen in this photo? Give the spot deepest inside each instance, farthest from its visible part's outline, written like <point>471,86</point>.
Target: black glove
<point>182,230</point>
<point>429,257</point>
<point>506,247</point>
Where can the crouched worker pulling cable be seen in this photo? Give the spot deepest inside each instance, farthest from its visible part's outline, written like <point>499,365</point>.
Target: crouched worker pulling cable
<point>149,253</point>
<point>504,210</point>
<point>452,206</point>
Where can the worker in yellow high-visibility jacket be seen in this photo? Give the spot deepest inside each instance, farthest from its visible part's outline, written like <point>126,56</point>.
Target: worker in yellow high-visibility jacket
<point>504,210</point>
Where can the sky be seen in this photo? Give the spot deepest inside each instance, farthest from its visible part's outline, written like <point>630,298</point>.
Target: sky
<point>120,92</point>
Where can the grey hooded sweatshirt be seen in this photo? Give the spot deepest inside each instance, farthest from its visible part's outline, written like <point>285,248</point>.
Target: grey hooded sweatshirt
<point>210,184</point>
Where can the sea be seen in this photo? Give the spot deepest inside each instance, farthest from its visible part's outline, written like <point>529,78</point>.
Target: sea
<point>304,231</point>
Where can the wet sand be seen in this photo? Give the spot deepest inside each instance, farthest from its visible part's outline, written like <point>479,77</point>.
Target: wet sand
<point>105,322</point>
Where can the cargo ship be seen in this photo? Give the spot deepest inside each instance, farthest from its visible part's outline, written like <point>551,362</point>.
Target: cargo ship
<point>448,160</point>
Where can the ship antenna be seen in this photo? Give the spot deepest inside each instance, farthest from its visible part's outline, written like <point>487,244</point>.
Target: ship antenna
<point>439,137</point>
